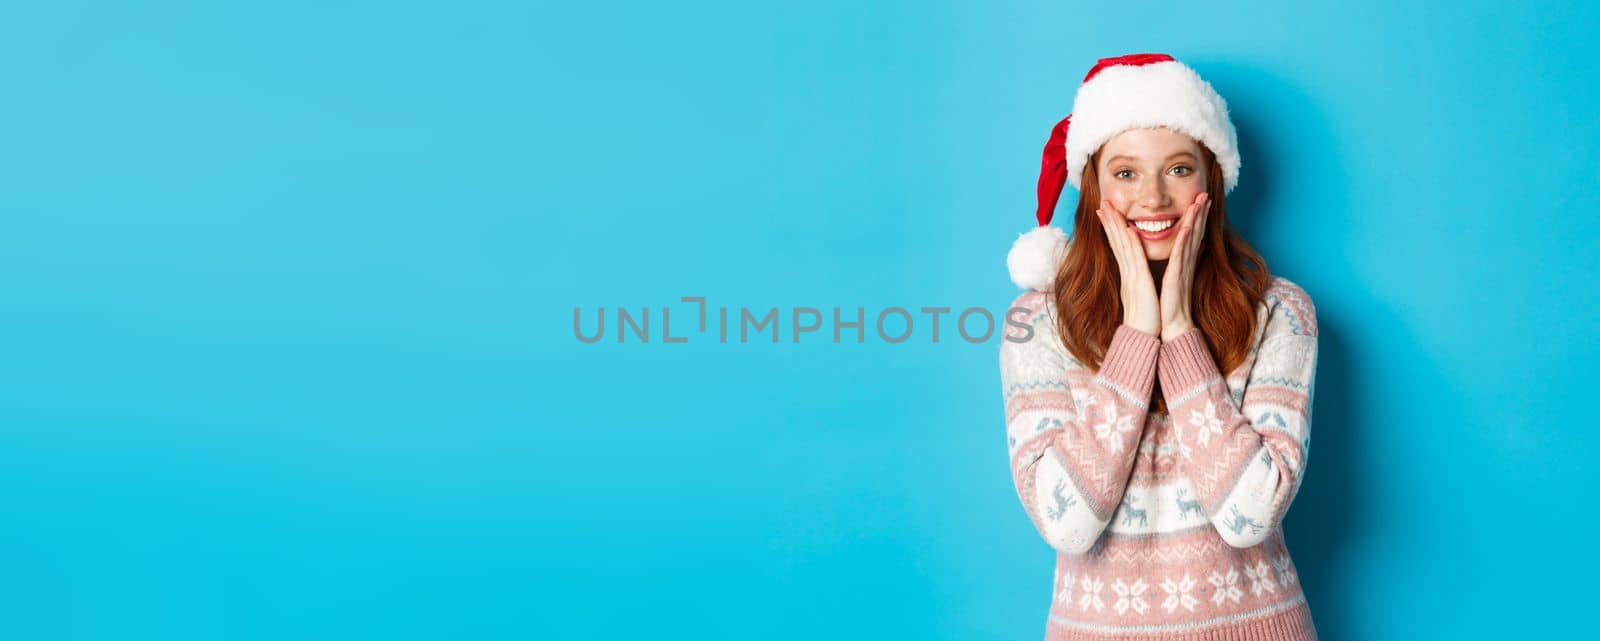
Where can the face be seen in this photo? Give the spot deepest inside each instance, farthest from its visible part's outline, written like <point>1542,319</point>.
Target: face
<point>1152,176</point>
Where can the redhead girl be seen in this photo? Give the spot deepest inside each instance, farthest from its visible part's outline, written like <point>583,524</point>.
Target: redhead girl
<point>1157,377</point>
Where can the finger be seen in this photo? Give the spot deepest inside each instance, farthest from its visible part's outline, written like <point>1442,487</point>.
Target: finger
<point>1130,240</point>
<point>1186,229</point>
<point>1135,246</point>
<point>1182,242</point>
<point>1122,220</point>
<point>1105,222</point>
<point>1179,247</point>
<point>1111,233</point>
<point>1117,212</point>
<point>1197,236</point>
<point>1197,226</point>
<point>1113,226</point>
<point>1125,244</point>
<point>1182,246</point>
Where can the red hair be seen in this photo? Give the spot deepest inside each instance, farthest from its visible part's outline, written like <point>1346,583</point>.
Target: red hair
<point>1230,280</point>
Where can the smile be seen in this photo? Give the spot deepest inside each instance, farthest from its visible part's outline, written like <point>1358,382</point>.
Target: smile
<point>1156,230</point>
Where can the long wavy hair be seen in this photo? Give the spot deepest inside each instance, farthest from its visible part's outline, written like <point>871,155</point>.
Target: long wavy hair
<point>1230,280</point>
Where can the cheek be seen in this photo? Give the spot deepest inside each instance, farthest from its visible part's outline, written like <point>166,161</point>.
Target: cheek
<point>1119,195</point>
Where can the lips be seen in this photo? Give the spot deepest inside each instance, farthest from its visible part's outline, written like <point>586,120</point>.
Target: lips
<point>1164,234</point>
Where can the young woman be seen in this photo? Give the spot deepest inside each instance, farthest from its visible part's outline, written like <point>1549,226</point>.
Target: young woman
<point>1157,378</point>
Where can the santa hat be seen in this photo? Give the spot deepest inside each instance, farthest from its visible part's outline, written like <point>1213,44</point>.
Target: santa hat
<point>1126,92</point>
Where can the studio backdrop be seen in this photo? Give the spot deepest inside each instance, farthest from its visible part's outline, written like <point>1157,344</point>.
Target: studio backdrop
<point>498,320</point>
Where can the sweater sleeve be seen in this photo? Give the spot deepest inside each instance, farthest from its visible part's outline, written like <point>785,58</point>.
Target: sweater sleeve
<point>1246,460</point>
<point>1073,435</point>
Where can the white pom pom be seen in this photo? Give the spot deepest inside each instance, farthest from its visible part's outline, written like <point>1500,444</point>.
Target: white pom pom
<point>1035,257</point>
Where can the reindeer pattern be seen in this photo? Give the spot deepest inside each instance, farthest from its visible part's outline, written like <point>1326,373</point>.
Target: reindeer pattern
<point>1166,507</point>
<point>1240,522</point>
<point>1062,502</point>
<point>1129,512</point>
<point>1187,505</point>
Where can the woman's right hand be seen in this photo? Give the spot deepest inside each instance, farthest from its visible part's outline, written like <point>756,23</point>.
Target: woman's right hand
<point>1141,305</point>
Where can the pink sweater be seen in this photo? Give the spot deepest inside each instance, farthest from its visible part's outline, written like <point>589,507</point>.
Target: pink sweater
<point>1165,527</point>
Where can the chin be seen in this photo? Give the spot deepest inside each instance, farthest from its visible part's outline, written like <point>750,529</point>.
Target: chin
<point>1162,251</point>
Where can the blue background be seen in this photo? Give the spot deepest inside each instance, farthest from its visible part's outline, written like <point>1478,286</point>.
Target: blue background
<point>289,292</point>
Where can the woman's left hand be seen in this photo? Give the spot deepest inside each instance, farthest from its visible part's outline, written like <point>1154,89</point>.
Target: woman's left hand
<point>1178,280</point>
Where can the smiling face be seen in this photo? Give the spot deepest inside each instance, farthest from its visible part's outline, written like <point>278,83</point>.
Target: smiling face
<point>1152,176</point>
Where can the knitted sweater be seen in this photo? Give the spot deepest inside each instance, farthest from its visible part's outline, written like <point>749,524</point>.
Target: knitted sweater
<point>1165,526</point>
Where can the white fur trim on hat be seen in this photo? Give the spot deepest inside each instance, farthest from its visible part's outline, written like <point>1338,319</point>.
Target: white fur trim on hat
<point>1162,94</point>
<point>1035,256</point>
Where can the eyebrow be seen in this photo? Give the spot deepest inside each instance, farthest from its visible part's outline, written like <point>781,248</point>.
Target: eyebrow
<point>1181,153</point>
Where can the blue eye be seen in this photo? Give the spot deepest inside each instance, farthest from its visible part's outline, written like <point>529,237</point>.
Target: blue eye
<point>1186,169</point>
<point>1121,172</point>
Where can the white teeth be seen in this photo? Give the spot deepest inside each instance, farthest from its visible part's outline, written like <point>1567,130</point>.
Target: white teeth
<point>1154,226</point>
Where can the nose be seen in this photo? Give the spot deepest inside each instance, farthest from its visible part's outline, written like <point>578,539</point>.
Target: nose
<point>1152,194</point>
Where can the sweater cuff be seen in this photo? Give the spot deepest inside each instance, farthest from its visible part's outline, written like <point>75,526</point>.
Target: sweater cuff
<point>1130,361</point>
<point>1185,362</point>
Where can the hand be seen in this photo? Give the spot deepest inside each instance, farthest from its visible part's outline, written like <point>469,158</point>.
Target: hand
<point>1141,309</point>
<point>1177,284</point>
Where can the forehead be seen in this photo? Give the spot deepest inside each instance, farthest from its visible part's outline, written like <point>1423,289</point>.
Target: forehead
<point>1154,144</point>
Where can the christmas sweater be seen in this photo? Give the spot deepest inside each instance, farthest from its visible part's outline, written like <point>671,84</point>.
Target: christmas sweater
<point>1164,525</point>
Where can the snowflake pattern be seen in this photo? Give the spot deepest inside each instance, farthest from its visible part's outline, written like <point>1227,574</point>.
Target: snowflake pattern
<point>1130,597</point>
<point>1081,400</point>
<point>1177,439</point>
<point>1260,576</point>
<point>1265,577</point>
<point>1064,590</point>
<point>1285,570</point>
<point>1113,428</point>
<point>1091,594</point>
<point>1206,423</point>
<point>1178,594</point>
<point>1227,586</point>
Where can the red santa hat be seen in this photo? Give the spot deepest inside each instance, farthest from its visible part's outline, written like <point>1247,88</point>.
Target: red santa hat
<point>1126,92</point>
